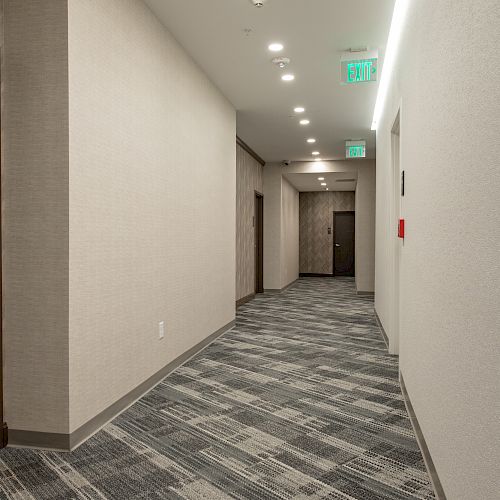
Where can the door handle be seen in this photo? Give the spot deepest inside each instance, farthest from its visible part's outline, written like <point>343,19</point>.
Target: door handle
<point>337,245</point>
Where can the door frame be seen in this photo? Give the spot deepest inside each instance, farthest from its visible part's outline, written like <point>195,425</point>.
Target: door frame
<point>3,425</point>
<point>259,242</point>
<point>352,212</point>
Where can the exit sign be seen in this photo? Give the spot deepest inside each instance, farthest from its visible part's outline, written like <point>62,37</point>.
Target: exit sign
<point>359,67</point>
<point>355,149</point>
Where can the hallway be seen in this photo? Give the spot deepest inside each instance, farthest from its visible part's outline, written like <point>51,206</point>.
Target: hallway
<point>299,400</point>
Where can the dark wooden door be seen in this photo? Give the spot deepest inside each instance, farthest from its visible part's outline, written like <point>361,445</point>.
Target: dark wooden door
<point>343,243</point>
<point>259,243</point>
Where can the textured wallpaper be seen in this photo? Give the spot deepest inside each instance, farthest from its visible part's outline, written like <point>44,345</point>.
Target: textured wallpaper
<point>152,202</point>
<point>35,216</point>
<point>248,180</point>
<point>316,216</point>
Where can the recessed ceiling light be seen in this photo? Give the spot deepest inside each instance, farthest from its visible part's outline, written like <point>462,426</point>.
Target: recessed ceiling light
<point>288,77</point>
<point>305,122</point>
<point>299,110</point>
<point>321,178</point>
<point>318,159</point>
<point>323,183</point>
<point>315,153</point>
<point>276,47</point>
<point>311,141</point>
<point>326,189</point>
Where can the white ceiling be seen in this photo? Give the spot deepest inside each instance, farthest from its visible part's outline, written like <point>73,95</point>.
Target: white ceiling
<point>335,181</point>
<point>315,33</point>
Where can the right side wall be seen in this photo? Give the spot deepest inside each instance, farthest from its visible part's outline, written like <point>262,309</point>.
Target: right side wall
<point>445,85</point>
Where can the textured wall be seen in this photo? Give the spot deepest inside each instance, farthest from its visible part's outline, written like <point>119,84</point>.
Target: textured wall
<point>248,180</point>
<point>272,227</point>
<point>152,202</point>
<point>365,230</point>
<point>316,216</point>
<point>449,280</point>
<point>35,216</point>
<point>289,233</point>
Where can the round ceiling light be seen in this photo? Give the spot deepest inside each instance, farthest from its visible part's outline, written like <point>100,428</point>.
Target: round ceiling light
<point>304,122</point>
<point>321,178</point>
<point>276,47</point>
<point>315,153</point>
<point>323,183</point>
<point>288,77</point>
<point>299,110</point>
<point>311,141</point>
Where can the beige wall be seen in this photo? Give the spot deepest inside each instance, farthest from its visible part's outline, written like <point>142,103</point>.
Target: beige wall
<point>447,88</point>
<point>272,227</point>
<point>289,233</point>
<point>35,216</point>
<point>248,180</point>
<point>364,171</point>
<point>119,207</point>
<point>316,216</point>
<point>365,230</point>
<point>281,230</point>
<point>152,202</point>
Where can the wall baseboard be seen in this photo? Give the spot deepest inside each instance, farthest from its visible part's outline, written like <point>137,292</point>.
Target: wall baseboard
<point>244,300</point>
<point>382,331</point>
<point>68,442</point>
<point>281,290</point>
<point>429,464</point>
<point>316,275</point>
<point>368,294</point>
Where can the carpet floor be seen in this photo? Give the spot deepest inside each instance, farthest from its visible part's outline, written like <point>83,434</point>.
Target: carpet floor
<point>299,401</point>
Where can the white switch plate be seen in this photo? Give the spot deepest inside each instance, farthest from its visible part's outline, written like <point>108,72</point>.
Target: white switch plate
<point>161,329</point>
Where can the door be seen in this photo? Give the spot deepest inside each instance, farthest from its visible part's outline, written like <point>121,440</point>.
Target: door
<point>343,243</point>
<point>259,243</point>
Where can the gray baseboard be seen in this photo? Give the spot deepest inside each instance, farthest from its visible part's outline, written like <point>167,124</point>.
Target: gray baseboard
<point>382,331</point>
<point>68,442</point>
<point>281,290</point>
<point>369,294</point>
<point>244,300</point>
<point>429,464</point>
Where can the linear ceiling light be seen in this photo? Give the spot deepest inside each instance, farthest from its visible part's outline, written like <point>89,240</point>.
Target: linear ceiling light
<point>397,23</point>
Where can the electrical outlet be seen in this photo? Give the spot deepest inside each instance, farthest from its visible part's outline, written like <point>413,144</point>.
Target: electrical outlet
<point>161,329</point>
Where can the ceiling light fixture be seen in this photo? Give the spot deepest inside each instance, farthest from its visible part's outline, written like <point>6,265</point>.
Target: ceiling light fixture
<point>311,141</point>
<point>321,178</point>
<point>326,189</point>
<point>288,77</point>
<point>318,159</point>
<point>276,47</point>
<point>315,153</point>
<point>323,183</point>
<point>299,110</point>
<point>397,23</point>
<point>305,122</point>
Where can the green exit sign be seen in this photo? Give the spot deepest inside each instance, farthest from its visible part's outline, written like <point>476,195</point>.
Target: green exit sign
<point>359,69</point>
<point>355,149</point>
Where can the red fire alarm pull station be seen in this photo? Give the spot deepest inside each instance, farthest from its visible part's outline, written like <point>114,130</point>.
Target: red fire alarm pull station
<point>401,228</point>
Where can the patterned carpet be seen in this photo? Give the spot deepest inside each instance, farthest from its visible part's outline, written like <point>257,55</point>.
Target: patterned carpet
<point>300,400</point>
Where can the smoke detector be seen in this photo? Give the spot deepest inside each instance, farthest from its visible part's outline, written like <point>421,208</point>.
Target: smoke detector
<point>281,62</point>
<point>258,3</point>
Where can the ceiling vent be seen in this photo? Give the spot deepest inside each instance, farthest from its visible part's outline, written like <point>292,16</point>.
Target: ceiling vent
<point>281,62</point>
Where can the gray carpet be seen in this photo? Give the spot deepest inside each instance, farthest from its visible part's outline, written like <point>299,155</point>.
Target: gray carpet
<point>300,400</point>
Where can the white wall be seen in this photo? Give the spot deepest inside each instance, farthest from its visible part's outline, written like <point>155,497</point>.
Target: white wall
<point>289,233</point>
<point>448,90</point>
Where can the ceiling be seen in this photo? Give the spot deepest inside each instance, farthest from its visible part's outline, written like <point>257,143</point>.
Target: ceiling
<point>335,181</point>
<point>314,33</point>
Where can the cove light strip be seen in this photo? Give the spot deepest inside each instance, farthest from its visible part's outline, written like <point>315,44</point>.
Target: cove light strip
<point>397,23</point>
